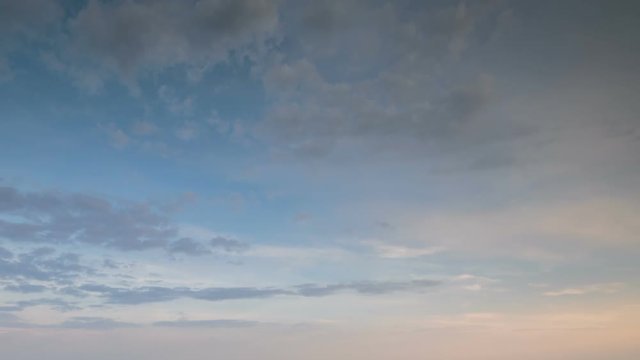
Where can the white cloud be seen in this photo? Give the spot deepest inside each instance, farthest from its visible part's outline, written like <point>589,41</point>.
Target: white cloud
<point>606,288</point>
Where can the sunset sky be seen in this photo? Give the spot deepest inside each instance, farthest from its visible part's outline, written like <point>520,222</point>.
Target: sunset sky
<point>349,180</point>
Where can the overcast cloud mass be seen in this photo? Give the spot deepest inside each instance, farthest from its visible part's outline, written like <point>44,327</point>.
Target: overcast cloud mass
<point>244,179</point>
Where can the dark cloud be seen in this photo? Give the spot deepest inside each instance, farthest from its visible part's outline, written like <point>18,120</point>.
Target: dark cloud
<point>397,111</point>
<point>22,21</point>
<point>131,37</point>
<point>386,79</point>
<point>26,17</point>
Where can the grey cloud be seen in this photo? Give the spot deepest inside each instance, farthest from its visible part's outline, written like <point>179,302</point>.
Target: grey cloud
<point>447,82</point>
<point>365,287</point>
<point>398,110</point>
<point>27,16</point>
<point>54,218</point>
<point>152,294</point>
<point>130,36</point>
<point>44,265</point>
<point>93,323</point>
<point>5,254</point>
<point>57,218</point>
<point>110,264</point>
<point>193,247</point>
<point>134,296</point>
<point>22,21</point>
<point>219,294</point>
<point>8,320</point>
<point>416,94</point>
<point>25,288</point>
<point>226,244</point>
<point>54,303</point>
<point>217,323</point>
<point>188,246</point>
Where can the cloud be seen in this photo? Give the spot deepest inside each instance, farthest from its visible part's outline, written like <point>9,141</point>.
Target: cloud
<point>410,96</point>
<point>392,251</point>
<point>228,245</point>
<point>80,322</point>
<point>550,230</point>
<point>23,21</point>
<point>5,254</point>
<point>217,323</point>
<point>27,17</point>
<point>133,296</point>
<point>130,38</point>
<point>188,246</point>
<point>55,303</point>
<point>62,218</point>
<point>365,287</point>
<point>218,244</point>
<point>54,217</point>
<point>41,264</point>
<point>25,288</point>
<point>606,288</point>
<point>312,116</point>
<point>8,320</point>
<point>150,294</point>
<point>93,323</point>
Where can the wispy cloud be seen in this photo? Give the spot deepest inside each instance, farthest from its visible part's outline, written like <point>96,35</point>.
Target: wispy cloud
<point>605,288</point>
<point>142,295</point>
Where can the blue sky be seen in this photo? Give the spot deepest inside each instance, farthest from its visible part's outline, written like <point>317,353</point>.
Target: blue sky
<point>342,179</point>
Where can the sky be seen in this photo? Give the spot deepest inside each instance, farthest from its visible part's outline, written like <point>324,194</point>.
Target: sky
<point>297,179</point>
